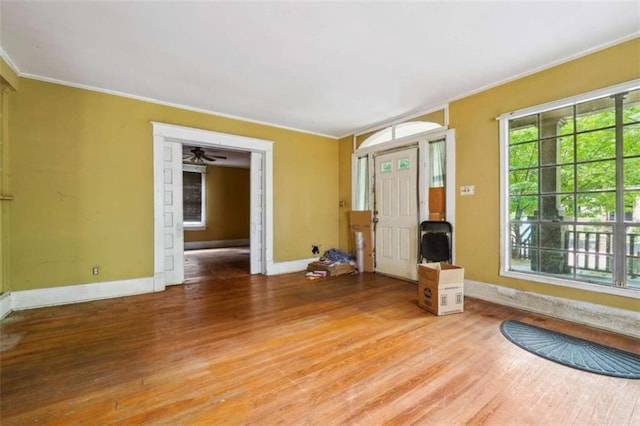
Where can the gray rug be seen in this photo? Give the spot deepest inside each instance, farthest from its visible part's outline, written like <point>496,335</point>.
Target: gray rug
<point>573,351</point>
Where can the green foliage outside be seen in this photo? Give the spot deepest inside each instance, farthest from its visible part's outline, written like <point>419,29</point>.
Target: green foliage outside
<point>572,165</point>
<point>588,167</point>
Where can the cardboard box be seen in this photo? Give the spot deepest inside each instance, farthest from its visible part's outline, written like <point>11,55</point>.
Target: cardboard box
<point>332,270</point>
<point>361,221</point>
<point>441,288</point>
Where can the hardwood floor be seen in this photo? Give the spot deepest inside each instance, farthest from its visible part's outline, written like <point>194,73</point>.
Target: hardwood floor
<point>220,263</point>
<point>230,348</point>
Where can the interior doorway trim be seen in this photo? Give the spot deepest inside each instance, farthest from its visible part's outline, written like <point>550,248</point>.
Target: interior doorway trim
<point>162,132</point>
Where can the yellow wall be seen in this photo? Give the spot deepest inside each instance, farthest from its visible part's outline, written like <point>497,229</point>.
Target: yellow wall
<point>434,117</point>
<point>8,76</point>
<point>227,205</point>
<point>82,175</point>
<point>4,187</point>
<point>346,149</point>
<point>8,84</point>
<point>478,160</point>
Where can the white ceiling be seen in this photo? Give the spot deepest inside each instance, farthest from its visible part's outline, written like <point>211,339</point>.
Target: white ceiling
<point>329,68</point>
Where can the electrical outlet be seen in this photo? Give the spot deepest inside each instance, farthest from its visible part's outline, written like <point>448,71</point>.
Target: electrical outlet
<point>467,190</point>
<point>315,249</point>
<point>95,270</point>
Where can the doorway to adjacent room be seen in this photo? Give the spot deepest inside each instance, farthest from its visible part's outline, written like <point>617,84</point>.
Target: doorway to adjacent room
<point>168,211</point>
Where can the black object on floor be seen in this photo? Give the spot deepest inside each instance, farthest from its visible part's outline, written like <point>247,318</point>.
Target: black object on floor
<point>573,351</point>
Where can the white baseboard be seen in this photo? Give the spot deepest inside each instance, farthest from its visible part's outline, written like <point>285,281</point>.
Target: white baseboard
<point>278,268</point>
<point>5,304</point>
<point>52,296</point>
<point>37,298</point>
<point>612,319</point>
<point>199,245</point>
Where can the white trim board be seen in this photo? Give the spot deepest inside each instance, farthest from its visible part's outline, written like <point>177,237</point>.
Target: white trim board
<point>52,296</point>
<point>607,318</point>
<point>65,295</point>
<point>290,266</point>
<point>5,304</point>
<point>198,245</point>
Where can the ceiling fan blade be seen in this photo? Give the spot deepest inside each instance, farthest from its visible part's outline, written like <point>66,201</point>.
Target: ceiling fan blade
<point>204,157</point>
<point>199,156</point>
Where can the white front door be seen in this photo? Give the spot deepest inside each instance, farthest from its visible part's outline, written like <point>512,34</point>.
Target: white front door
<point>173,214</point>
<point>396,213</point>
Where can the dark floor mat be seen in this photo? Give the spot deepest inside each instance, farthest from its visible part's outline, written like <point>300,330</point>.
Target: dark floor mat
<point>572,351</point>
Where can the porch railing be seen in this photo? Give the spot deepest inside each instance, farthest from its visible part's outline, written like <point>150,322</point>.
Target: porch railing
<point>594,250</point>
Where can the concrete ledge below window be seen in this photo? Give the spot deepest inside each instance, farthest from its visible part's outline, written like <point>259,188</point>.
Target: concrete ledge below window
<point>607,318</point>
<point>596,288</point>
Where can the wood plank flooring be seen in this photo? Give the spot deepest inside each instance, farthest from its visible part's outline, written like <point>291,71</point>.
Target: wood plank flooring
<point>230,348</point>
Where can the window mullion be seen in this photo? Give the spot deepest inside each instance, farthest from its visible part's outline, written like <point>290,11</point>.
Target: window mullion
<point>620,264</point>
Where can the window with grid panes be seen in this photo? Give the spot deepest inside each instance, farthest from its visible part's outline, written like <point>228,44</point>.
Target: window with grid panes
<point>194,196</point>
<point>572,190</point>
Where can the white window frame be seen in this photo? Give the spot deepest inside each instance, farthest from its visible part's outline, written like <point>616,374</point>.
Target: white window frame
<point>505,259</point>
<point>202,225</point>
<point>390,134</point>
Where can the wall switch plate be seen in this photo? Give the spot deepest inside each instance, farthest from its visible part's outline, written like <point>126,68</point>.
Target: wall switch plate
<point>467,190</point>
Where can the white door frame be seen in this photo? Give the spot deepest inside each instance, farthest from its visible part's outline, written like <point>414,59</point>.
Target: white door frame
<point>261,255</point>
<point>423,201</point>
<point>396,213</point>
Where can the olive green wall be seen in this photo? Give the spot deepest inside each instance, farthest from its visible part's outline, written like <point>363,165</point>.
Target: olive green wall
<point>8,85</point>
<point>227,205</point>
<point>346,149</point>
<point>8,76</point>
<point>478,161</point>
<point>4,107</point>
<point>82,175</point>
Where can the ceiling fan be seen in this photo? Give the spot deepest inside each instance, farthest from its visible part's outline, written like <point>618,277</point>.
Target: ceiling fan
<point>199,156</point>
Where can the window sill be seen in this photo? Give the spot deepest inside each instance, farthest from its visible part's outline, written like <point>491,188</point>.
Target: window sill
<point>189,228</point>
<point>595,288</point>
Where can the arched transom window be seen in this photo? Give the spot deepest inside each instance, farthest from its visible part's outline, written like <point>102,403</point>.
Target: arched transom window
<point>398,131</point>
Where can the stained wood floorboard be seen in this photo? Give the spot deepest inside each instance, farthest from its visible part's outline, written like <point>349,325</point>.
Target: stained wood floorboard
<point>230,348</point>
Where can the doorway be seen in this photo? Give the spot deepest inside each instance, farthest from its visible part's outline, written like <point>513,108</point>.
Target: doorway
<point>393,244</point>
<point>168,215</point>
<point>396,212</point>
<point>216,210</point>
<point>216,264</point>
